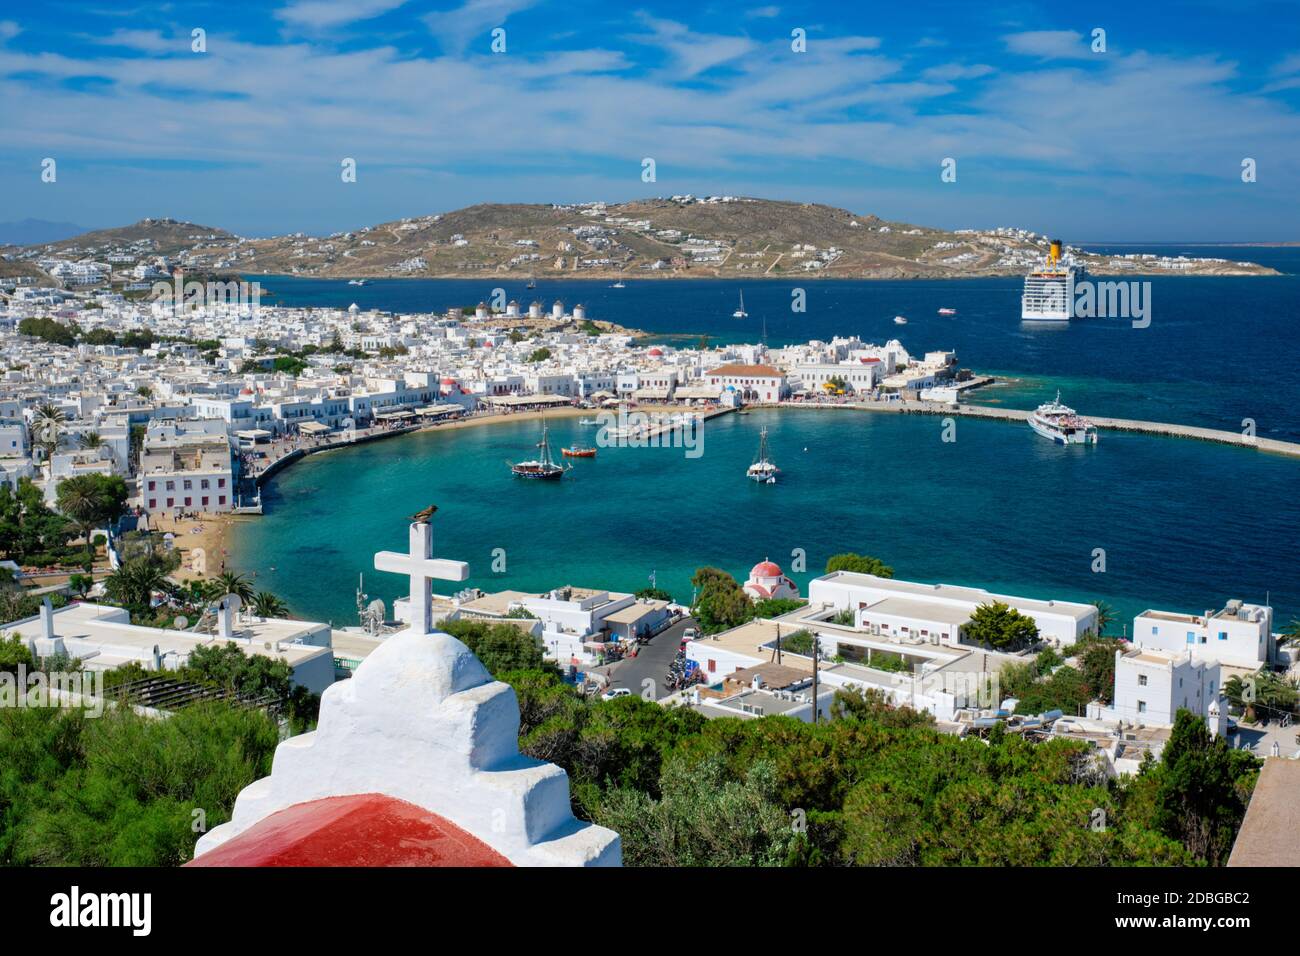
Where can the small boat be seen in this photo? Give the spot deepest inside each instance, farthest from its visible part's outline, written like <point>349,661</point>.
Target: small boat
<point>900,320</point>
<point>618,285</point>
<point>1062,424</point>
<point>947,311</point>
<point>532,283</point>
<point>357,282</point>
<point>762,470</point>
<point>578,452</point>
<point>588,421</point>
<point>543,466</point>
<point>740,313</point>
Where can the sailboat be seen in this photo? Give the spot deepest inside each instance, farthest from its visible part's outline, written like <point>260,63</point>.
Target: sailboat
<point>762,470</point>
<point>543,466</point>
<point>532,283</point>
<point>618,285</point>
<point>740,313</point>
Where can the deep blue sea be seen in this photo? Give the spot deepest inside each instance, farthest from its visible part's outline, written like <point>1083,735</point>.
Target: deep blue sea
<point>1185,525</point>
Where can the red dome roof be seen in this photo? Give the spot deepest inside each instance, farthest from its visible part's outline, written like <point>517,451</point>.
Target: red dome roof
<point>655,352</point>
<point>448,381</point>
<point>367,829</point>
<point>765,569</point>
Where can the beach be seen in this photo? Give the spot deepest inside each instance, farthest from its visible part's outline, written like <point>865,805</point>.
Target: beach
<point>208,533</point>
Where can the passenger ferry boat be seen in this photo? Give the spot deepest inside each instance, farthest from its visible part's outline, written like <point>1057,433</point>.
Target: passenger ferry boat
<point>543,466</point>
<point>578,452</point>
<point>1048,295</point>
<point>947,311</point>
<point>762,470</point>
<point>1062,424</point>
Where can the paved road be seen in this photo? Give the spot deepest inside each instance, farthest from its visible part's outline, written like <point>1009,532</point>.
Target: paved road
<point>651,662</point>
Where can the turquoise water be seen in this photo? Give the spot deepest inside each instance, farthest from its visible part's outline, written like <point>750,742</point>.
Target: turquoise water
<point>1184,524</point>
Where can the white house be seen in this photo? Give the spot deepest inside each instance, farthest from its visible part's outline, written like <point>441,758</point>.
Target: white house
<point>753,383</point>
<point>937,613</point>
<point>1152,686</point>
<point>1239,635</point>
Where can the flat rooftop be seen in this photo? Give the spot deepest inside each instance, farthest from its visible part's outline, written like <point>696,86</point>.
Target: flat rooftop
<point>104,634</point>
<point>954,592</point>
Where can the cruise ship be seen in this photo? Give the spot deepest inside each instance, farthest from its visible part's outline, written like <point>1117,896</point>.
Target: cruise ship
<point>1049,291</point>
<point>1062,424</point>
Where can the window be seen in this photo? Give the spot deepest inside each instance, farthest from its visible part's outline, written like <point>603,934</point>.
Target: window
<point>1142,707</point>
<point>221,482</point>
<point>713,666</point>
<point>205,501</point>
<point>153,485</point>
<point>171,502</point>
<point>188,501</point>
<point>153,503</point>
<point>204,484</point>
<point>188,484</point>
<point>1142,680</point>
<point>171,486</point>
<point>221,499</point>
<point>1223,635</point>
<point>1155,629</point>
<point>1191,638</point>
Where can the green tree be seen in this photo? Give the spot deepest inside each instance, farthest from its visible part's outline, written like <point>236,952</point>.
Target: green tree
<point>228,582</point>
<point>266,604</point>
<point>1001,627</point>
<point>1203,788</point>
<point>91,500</point>
<point>501,647</point>
<point>859,564</point>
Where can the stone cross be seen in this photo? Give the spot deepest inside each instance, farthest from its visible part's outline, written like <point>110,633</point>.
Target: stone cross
<point>423,568</point>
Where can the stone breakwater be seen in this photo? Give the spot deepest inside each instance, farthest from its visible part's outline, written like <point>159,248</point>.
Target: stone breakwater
<point>1276,446</point>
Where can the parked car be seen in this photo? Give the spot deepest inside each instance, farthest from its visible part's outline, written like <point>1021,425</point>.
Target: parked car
<point>615,692</point>
<point>690,634</point>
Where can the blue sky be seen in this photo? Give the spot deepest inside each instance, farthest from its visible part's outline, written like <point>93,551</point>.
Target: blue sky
<point>1142,142</point>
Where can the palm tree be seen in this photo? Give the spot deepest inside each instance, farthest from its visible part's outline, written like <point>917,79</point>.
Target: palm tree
<point>266,604</point>
<point>90,440</point>
<point>132,585</point>
<point>232,583</point>
<point>46,422</point>
<point>81,502</point>
<point>1105,617</point>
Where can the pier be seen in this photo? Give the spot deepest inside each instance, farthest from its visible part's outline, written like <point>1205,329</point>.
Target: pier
<point>1166,429</point>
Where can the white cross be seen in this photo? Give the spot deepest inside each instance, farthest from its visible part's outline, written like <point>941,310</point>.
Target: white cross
<point>422,568</point>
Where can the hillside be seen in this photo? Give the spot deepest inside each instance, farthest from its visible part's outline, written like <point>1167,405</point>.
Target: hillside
<point>678,237</point>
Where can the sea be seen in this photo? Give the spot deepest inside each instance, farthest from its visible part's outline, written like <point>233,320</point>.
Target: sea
<point>1137,521</point>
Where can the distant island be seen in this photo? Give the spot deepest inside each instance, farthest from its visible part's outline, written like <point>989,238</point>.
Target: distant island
<point>713,237</point>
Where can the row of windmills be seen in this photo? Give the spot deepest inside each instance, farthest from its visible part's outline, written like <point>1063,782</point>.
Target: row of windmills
<point>483,311</point>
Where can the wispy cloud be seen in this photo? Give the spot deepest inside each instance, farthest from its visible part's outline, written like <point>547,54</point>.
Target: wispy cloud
<point>325,14</point>
<point>1049,44</point>
<point>458,28</point>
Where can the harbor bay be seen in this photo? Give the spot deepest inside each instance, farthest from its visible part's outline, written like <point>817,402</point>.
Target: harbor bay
<point>1180,521</point>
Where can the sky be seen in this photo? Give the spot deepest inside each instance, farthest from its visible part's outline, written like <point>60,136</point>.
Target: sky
<point>1140,140</point>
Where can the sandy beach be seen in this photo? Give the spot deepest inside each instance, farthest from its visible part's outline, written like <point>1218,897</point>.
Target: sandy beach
<point>206,532</point>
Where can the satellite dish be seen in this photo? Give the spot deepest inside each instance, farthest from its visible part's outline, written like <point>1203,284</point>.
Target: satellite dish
<point>181,622</point>
<point>376,609</point>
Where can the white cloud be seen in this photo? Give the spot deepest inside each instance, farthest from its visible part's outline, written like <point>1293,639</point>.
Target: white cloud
<point>475,18</point>
<point>8,30</point>
<point>1049,44</point>
<point>326,14</point>
<point>957,71</point>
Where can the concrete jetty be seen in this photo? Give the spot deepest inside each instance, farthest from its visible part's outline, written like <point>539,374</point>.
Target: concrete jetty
<point>1168,429</point>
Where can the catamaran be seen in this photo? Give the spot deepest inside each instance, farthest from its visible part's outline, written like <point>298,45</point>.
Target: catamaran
<point>762,470</point>
<point>543,466</point>
<point>1062,424</point>
<point>740,313</point>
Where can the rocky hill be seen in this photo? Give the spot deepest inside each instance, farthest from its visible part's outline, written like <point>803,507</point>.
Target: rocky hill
<point>732,237</point>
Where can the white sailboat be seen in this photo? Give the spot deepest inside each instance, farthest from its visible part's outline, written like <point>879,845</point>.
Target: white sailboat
<point>762,470</point>
<point>740,313</point>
